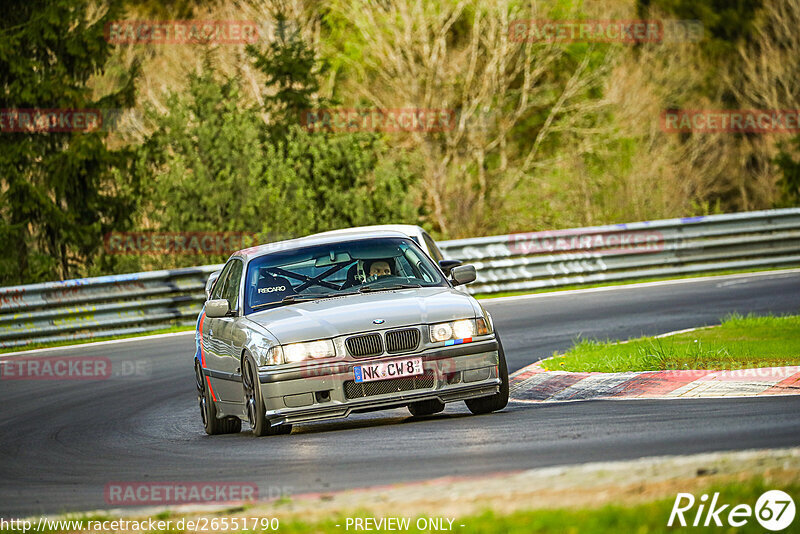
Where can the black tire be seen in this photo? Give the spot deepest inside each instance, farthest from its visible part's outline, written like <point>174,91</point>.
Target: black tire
<point>254,404</point>
<point>499,400</point>
<point>428,407</point>
<point>212,424</point>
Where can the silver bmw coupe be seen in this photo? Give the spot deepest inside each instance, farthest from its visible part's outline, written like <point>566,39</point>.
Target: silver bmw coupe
<point>328,325</point>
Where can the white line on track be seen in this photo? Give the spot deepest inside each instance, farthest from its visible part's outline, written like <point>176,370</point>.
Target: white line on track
<point>780,273</point>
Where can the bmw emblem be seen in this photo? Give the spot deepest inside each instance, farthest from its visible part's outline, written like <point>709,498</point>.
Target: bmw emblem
<point>377,321</point>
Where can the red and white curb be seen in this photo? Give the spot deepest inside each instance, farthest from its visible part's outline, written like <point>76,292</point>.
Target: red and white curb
<point>535,384</point>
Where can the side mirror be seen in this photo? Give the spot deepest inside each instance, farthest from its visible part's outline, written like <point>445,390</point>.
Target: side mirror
<point>210,283</point>
<point>447,265</point>
<point>217,308</point>
<point>463,274</point>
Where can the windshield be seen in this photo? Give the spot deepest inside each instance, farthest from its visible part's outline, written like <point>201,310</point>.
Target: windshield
<point>322,271</point>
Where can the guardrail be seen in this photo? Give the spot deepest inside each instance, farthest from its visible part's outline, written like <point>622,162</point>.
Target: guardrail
<point>103,306</point>
<point>142,302</point>
<point>618,252</point>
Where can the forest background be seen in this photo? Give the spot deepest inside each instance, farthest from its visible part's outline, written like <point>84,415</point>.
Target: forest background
<point>544,135</point>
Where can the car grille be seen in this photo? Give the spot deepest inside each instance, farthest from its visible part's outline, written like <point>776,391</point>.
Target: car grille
<point>365,345</point>
<point>402,340</point>
<point>354,390</point>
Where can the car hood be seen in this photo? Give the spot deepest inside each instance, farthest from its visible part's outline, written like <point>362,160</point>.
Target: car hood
<point>352,314</point>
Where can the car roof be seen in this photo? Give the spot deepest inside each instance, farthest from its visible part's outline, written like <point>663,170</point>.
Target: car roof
<point>407,229</point>
<point>335,236</point>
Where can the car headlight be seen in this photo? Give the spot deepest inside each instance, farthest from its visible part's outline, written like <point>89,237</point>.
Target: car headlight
<point>462,329</point>
<point>442,332</point>
<point>272,356</point>
<point>311,350</point>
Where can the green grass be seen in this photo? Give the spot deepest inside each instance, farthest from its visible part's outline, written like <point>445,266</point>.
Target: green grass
<point>623,282</point>
<point>739,343</point>
<point>648,518</point>
<point>168,330</point>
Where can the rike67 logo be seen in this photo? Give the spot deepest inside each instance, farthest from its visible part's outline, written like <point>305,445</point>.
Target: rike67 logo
<point>774,510</point>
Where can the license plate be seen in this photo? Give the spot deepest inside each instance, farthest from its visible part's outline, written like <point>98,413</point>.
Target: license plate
<point>387,370</point>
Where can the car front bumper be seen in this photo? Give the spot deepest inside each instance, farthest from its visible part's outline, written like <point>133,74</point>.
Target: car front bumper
<point>327,391</point>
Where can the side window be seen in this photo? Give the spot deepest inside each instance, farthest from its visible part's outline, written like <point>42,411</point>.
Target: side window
<point>219,285</point>
<point>230,292</point>
<point>436,254</point>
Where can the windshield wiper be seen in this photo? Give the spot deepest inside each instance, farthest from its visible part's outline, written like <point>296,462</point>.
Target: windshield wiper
<point>391,287</point>
<point>290,299</point>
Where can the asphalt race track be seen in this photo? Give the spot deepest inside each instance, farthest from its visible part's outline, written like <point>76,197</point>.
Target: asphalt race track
<point>63,441</point>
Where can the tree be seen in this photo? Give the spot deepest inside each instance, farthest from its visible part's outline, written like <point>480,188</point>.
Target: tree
<point>215,163</point>
<point>769,78</point>
<point>330,180</point>
<point>790,179</point>
<point>512,100</point>
<point>205,153</point>
<point>59,191</point>
<point>292,73</point>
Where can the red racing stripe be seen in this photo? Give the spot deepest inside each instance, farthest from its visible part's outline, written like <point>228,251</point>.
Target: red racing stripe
<point>787,385</point>
<point>210,389</point>
<point>547,385</point>
<point>657,383</point>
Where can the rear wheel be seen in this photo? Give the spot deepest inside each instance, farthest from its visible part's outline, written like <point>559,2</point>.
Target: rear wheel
<point>208,410</point>
<point>499,400</point>
<point>428,407</point>
<point>256,412</point>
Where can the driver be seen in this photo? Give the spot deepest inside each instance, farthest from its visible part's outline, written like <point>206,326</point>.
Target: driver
<point>379,268</point>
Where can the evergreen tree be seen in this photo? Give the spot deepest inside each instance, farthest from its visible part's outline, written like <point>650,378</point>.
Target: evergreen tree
<point>293,71</point>
<point>59,191</point>
<point>237,172</point>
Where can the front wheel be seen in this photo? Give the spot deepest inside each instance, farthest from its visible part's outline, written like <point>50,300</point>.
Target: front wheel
<point>499,400</point>
<point>208,410</point>
<point>256,412</point>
